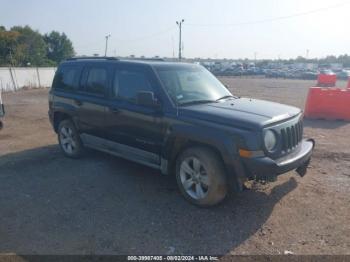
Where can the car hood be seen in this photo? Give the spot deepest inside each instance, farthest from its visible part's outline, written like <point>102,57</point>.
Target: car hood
<point>241,112</point>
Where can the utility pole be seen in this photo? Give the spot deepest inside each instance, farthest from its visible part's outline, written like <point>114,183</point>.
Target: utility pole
<point>172,45</point>
<point>107,37</point>
<point>179,23</point>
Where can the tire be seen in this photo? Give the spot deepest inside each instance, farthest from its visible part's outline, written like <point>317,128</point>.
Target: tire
<point>69,139</point>
<point>201,177</point>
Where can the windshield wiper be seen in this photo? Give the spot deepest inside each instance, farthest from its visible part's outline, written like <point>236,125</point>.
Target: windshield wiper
<point>196,102</point>
<point>228,96</point>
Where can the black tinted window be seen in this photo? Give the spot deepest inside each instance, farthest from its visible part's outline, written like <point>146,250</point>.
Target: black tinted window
<point>97,80</point>
<point>115,84</point>
<point>130,83</point>
<point>67,78</point>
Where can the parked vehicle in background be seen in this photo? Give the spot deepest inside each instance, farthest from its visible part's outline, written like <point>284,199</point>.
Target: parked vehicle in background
<point>310,75</point>
<point>326,72</point>
<point>306,71</point>
<point>344,74</point>
<point>2,111</point>
<point>177,118</point>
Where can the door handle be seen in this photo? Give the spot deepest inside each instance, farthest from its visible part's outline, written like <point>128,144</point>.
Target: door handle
<point>114,110</point>
<point>78,102</point>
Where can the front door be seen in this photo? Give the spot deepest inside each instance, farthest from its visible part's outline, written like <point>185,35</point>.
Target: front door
<point>138,127</point>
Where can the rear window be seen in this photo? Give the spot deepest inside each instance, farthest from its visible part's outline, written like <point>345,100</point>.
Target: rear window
<point>67,78</point>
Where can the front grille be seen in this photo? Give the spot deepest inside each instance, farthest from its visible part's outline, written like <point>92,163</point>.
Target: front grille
<point>291,136</point>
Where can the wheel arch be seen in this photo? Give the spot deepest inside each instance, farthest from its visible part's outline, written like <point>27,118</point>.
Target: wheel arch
<point>59,117</point>
<point>181,145</point>
<point>219,142</point>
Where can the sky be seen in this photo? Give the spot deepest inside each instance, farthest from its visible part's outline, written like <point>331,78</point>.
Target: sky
<point>267,29</point>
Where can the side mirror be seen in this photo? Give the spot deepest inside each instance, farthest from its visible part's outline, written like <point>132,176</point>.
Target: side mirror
<point>146,98</point>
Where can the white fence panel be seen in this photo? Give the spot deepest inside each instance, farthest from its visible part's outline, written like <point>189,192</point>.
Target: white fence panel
<point>14,78</point>
<point>6,83</point>
<point>46,75</point>
<point>25,77</point>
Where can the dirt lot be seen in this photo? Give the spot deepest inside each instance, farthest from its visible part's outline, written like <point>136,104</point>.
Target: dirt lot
<point>101,204</point>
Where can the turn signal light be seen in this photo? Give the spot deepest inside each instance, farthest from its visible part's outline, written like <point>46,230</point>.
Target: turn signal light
<point>248,154</point>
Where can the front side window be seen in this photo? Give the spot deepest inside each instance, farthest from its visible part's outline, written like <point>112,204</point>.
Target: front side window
<point>188,84</point>
<point>96,81</point>
<point>127,84</point>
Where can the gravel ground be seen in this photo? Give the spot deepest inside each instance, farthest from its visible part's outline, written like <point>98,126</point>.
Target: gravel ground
<point>101,204</point>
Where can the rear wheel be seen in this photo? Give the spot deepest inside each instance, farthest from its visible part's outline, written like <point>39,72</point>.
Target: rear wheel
<point>69,139</point>
<point>201,177</point>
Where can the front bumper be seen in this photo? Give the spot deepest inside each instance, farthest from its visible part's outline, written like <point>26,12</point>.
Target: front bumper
<point>263,167</point>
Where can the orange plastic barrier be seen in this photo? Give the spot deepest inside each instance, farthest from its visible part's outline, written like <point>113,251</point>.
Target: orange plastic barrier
<point>330,103</point>
<point>326,80</point>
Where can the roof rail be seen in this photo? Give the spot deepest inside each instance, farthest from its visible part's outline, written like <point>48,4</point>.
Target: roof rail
<point>145,59</point>
<point>91,57</point>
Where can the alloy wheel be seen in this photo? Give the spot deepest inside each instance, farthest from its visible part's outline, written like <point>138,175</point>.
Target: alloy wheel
<point>194,178</point>
<point>68,140</point>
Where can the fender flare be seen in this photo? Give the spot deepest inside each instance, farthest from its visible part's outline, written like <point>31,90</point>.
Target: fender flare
<point>180,137</point>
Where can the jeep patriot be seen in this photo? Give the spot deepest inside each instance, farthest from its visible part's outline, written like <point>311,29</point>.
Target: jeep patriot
<point>179,119</point>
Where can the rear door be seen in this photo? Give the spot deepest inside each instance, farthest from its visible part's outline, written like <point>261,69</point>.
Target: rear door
<point>93,88</point>
<point>65,90</point>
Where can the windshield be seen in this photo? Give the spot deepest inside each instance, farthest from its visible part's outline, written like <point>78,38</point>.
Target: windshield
<point>191,84</point>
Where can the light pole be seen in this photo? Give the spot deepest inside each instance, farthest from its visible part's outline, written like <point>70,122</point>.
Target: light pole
<point>107,37</point>
<point>179,23</point>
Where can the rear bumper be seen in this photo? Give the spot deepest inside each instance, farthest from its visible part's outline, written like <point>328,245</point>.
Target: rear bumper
<point>267,167</point>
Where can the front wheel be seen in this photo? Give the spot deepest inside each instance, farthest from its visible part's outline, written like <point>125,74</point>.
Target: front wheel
<point>201,177</point>
<point>69,139</point>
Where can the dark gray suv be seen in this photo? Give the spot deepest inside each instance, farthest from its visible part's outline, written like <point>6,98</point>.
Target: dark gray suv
<point>177,118</point>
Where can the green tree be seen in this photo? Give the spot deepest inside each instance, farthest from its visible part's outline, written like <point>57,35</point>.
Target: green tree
<point>8,46</point>
<point>345,60</point>
<point>31,47</point>
<point>59,47</point>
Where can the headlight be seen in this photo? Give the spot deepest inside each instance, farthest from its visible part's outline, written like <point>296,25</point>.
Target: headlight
<point>270,140</point>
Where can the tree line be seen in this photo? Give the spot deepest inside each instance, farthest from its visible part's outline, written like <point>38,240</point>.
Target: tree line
<point>23,46</point>
<point>341,59</point>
